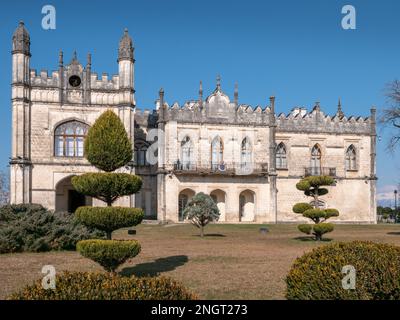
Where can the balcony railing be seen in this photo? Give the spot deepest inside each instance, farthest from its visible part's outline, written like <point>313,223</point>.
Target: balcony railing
<point>232,168</point>
<point>319,171</point>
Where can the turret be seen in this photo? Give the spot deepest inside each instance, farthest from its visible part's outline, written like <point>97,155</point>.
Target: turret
<point>126,69</point>
<point>21,55</point>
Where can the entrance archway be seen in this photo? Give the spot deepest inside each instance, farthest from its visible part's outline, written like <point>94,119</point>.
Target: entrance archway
<point>219,198</point>
<point>247,206</point>
<point>67,198</point>
<point>184,197</point>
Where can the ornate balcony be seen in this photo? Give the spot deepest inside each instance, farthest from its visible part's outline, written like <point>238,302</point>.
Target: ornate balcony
<point>232,168</point>
<point>319,171</point>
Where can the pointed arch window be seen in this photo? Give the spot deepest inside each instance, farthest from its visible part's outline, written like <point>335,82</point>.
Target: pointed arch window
<point>69,138</point>
<point>217,152</point>
<point>316,160</point>
<point>351,158</point>
<point>245,154</point>
<point>281,158</point>
<point>187,153</point>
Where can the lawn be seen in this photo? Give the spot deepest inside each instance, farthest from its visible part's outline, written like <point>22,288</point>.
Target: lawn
<point>231,262</point>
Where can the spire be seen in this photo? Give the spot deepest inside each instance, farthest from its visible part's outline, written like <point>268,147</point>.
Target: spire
<point>201,93</point>
<point>218,83</point>
<point>317,106</point>
<point>125,50</point>
<point>60,59</point>
<point>339,110</point>
<point>89,60</point>
<point>236,94</point>
<point>21,40</point>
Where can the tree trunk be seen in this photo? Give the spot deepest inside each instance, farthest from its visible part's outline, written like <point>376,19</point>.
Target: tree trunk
<point>202,231</point>
<point>109,235</point>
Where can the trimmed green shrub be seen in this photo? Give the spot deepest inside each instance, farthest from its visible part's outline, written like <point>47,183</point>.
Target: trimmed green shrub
<point>311,186</point>
<point>107,145</point>
<point>201,210</point>
<point>109,253</point>
<point>305,228</point>
<point>105,286</point>
<point>109,219</point>
<point>301,207</point>
<point>317,275</point>
<point>322,228</point>
<point>107,187</point>
<point>33,228</point>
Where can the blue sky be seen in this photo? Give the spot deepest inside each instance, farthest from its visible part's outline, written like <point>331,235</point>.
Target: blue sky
<point>295,50</point>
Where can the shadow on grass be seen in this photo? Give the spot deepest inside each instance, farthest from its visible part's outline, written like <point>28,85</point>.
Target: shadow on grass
<point>217,235</point>
<point>154,268</point>
<point>312,239</point>
<point>394,233</point>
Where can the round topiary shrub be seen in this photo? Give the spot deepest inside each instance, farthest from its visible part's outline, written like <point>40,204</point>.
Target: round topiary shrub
<point>109,219</point>
<point>103,286</point>
<point>305,228</point>
<point>109,253</point>
<point>317,275</point>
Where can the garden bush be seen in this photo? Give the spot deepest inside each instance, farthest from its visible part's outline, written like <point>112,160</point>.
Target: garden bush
<point>105,286</point>
<point>305,228</point>
<point>34,228</point>
<point>108,253</point>
<point>109,218</point>
<point>107,187</point>
<point>318,274</point>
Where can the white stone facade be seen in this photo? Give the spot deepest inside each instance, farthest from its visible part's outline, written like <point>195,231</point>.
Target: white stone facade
<point>248,159</point>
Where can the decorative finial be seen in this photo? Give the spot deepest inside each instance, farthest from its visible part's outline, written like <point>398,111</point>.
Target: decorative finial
<point>236,93</point>
<point>21,22</point>
<point>317,106</point>
<point>339,109</point>
<point>61,58</point>
<point>74,57</point>
<point>218,83</point>
<point>89,59</point>
<point>201,93</point>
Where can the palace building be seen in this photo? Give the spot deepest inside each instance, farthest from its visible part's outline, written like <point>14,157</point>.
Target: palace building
<point>248,159</point>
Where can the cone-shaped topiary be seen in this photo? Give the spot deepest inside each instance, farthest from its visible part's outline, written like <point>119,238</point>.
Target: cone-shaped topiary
<point>312,188</point>
<point>108,148</point>
<point>107,145</point>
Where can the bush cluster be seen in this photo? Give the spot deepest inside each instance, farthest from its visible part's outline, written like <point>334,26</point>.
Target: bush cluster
<point>105,286</point>
<point>108,253</point>
<point>31,227</point>
<point>317,275</point>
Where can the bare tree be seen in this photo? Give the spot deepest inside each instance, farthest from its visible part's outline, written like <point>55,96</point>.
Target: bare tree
<point>4,188</point>
<point>391,114</point>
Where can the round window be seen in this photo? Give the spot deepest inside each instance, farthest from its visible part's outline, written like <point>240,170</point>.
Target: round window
<point>74,81</point>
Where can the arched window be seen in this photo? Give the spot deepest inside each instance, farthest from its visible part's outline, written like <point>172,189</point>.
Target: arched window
<point>245,154</point>
<point>68,139</point>
<point>281,160</point>
<point>217,152</point>
<point>351,163</point>
<point>316,160</point>
<point>187,153</point>
<point>140,153</point>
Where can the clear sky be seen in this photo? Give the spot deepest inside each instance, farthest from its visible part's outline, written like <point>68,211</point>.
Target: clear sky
<point>295,50</point>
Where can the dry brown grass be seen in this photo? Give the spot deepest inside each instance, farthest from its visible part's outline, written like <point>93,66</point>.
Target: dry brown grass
<point>232,262</point>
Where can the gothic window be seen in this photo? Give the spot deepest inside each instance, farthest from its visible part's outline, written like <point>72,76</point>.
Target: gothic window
<point>281,160</point>
<point>245,154</point>
<point>316,160</point>
<point>351,158</point>
<point>186,153</point>
<point>217,152</point>
<point>69,138</point>
<point>140,154</point>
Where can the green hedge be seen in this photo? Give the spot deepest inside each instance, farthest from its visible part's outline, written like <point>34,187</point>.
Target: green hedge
<point>103,286</point>
<point>108,253</point>
<point>317,275</point>
<point>109,219</point>
<point>33,228</point>
<point>107,186</point>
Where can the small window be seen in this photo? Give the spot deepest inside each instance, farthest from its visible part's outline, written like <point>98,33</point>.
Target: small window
<point>351,157</point>
<point>281,159</point>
